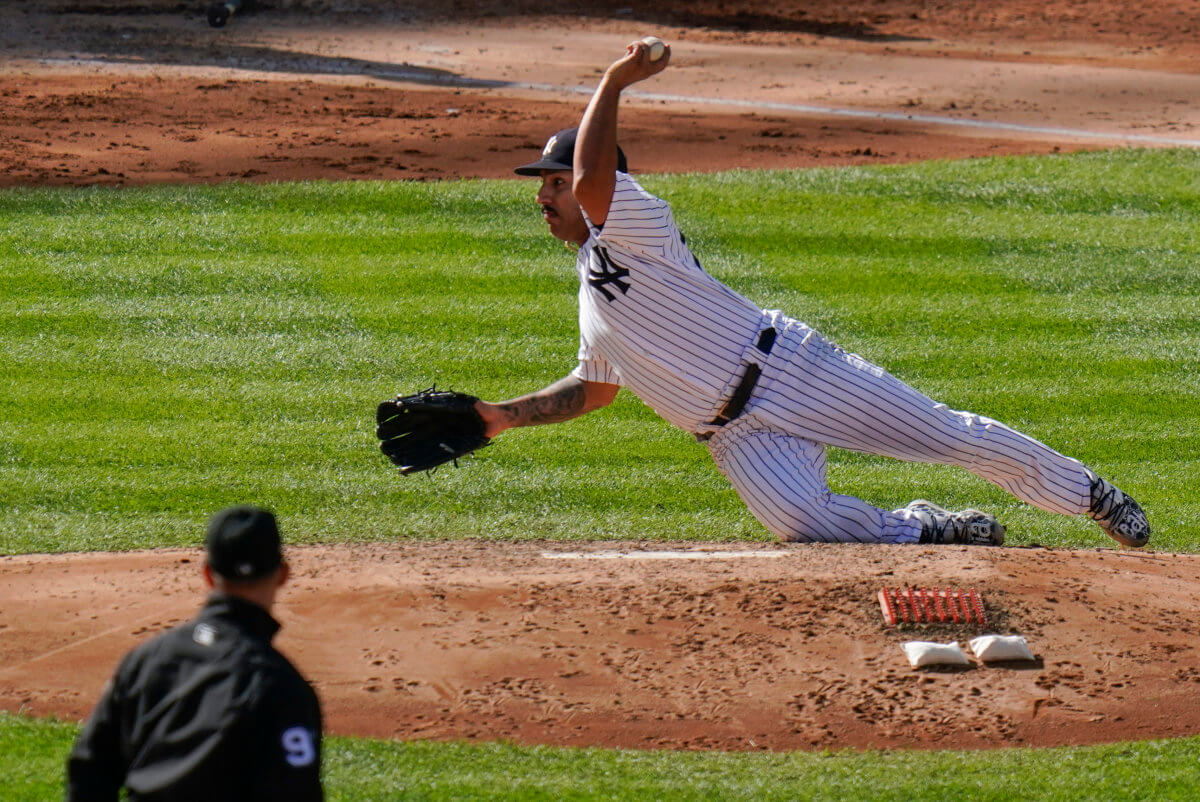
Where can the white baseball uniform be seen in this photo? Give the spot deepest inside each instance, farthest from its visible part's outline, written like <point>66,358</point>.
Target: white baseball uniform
<point>651,319</point>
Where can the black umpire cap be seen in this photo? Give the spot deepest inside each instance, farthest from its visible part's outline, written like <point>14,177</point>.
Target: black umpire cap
<point>243,543</point>
<point>559,154</point>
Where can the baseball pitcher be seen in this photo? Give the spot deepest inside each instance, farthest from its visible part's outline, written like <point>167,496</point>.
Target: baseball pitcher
<point>766,393</point>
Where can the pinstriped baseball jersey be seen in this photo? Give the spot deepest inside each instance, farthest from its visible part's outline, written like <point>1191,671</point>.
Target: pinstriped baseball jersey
<point>651,318</point>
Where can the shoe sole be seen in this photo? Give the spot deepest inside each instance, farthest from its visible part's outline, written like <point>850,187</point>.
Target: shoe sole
<point>1126,541</point>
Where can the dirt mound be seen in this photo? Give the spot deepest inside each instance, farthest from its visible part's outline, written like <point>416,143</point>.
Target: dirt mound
<point>739,648</point>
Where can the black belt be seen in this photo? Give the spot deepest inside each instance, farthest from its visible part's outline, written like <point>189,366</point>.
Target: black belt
<point>741,394</point>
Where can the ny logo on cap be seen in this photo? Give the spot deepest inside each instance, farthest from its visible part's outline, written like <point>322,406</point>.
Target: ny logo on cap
<point>550,145</point>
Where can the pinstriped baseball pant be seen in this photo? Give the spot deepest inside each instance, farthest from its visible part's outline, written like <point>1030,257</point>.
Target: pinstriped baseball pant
<point>813,394</point>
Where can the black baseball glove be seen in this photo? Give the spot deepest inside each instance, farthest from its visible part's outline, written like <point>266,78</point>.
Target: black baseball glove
<point>428,429</point>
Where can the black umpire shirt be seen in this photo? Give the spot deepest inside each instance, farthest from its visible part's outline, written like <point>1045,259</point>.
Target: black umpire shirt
<point>208,711</point>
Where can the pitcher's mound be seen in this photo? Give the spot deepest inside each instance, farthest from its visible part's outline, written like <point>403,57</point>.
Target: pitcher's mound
<point>731,646</point>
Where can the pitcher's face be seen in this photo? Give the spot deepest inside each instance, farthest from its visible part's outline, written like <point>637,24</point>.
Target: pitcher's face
<point>560,210</point>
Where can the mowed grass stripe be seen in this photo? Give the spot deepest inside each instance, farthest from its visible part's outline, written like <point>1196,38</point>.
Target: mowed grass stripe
<point>33,753</point>
<point>172,350</point>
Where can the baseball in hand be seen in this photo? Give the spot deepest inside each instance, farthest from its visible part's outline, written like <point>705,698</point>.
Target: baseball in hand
<point>657,48</point>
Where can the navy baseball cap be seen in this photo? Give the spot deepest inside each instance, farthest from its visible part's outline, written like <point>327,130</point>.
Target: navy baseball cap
<point>243,543</point>
<point>559,154</point>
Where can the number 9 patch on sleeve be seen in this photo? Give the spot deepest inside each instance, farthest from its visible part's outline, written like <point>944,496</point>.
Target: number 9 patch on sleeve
<point>298,747</point>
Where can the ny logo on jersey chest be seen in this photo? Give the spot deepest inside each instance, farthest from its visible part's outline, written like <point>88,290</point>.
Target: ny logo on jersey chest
<point>605,273</point>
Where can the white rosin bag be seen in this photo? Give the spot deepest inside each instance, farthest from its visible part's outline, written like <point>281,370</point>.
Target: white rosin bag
<point>1001,647</point>
<point>923,653</point>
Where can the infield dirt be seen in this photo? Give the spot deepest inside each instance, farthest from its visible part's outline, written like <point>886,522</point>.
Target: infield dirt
<point>481,640</point>
<point>782,649</point>
<point>148,93</point>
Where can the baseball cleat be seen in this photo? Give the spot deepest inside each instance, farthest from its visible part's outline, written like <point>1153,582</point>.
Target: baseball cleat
<point>968,527</point>
<point>1117,513</point>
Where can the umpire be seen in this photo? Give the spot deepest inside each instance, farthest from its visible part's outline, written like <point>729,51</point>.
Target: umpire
<point>209,711</point>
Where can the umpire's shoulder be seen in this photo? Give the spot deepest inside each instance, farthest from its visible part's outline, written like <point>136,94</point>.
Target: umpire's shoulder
<point>141,666</point>
<point>282,686</point>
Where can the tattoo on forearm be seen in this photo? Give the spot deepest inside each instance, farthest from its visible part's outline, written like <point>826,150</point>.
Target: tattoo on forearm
<point>553,405</point>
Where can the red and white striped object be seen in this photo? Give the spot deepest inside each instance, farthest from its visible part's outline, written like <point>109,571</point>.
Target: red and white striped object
<point>931,606</point>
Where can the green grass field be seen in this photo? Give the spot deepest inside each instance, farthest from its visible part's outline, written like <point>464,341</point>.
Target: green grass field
<point>172,350</point>
<point>357,769</point>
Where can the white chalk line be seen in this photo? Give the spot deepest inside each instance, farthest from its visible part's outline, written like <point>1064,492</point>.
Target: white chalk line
<point>418,75</point>
<point>661,555</point>
<point>894,116</point>
<point>830,111</point>
<point>14,668</point>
